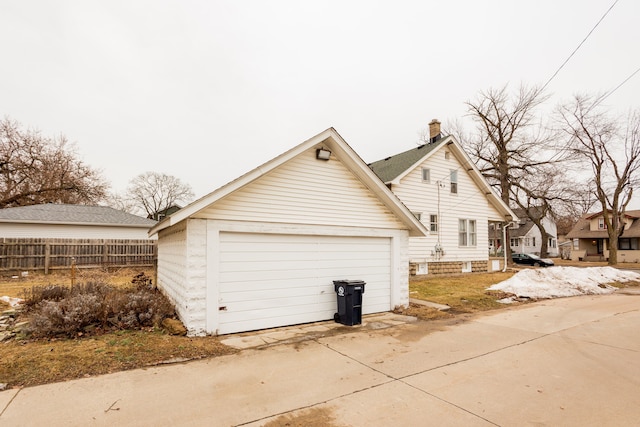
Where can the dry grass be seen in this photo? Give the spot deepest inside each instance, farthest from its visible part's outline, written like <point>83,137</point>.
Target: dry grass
<point>464,293</point>
<point>28,363</point>
<point>33,362</point>
<point>14,286</point>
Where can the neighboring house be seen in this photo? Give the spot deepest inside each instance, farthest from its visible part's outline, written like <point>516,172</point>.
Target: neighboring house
<point>160,215</point>
<point>591,241</point>
<point>527,239</point>
<point>60,221</point>
<point>443,188</point>
<point>263,250</point>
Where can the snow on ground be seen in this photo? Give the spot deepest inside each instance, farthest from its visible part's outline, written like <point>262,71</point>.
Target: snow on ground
<point>11,301</point>
<point>555,282</point>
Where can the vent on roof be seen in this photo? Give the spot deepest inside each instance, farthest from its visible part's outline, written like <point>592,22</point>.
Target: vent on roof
<point>419,147</point>
<point>387,159</point>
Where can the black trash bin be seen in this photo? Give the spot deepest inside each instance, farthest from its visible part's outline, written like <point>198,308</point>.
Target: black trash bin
<point>349,293</point>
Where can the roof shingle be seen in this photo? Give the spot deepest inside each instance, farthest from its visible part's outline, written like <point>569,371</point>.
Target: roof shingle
<point>73,214</point>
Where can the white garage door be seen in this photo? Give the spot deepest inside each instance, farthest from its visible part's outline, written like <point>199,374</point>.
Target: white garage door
<point>270,280</point>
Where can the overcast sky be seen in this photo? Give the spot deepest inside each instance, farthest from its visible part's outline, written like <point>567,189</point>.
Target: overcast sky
<point>208,90</point>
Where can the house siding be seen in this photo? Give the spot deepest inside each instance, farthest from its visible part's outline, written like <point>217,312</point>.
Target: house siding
<point>307,191</point>
<point>470,203</point>
<point>65,231</point>
<point>172,266</point>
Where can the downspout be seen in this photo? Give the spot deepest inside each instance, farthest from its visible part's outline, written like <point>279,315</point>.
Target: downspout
<point>504,243</point>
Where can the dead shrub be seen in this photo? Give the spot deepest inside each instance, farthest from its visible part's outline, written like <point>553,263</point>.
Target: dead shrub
<point>58,310</point>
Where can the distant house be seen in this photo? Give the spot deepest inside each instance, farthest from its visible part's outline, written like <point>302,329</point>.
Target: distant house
<point>72,222</point>
<point>591,241</point>
<point>526,238</point>
<point>443,188</point>
<point>263,250</point>
<point>53,236</point>
<point>162,214</point>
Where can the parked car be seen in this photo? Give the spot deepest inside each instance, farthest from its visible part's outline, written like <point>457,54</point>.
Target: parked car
<point>531,259</point>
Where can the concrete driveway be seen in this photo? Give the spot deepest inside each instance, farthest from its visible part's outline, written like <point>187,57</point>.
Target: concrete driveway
<point>571,362</point>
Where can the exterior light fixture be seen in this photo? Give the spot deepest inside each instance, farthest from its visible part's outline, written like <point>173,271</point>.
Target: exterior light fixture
<point>322,154</point>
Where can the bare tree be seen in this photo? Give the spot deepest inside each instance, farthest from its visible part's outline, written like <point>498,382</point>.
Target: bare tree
<point>155,192</point>
<point>611,148</point>
<point>35,169</point>
<point>513,150</point>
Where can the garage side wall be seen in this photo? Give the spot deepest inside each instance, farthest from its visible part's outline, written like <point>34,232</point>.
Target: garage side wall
<point>172,271</point>
<point>182,271</point>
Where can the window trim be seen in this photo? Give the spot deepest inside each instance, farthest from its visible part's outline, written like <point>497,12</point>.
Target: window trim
<point>467,233</point>
<point>428,173</point>
<point>433,225</point>
<point>453,181</point>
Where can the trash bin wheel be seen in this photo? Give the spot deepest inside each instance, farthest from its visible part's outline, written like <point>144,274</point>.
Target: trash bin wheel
<point>336,317</point>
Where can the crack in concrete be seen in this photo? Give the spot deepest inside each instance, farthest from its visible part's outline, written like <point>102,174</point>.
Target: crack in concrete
<point>9,403</point>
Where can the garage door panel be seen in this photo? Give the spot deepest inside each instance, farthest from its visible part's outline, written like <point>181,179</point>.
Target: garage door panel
<point>268,315</point>
<point>249,324</point>
<point>266,294</point>
<point>275,280</point>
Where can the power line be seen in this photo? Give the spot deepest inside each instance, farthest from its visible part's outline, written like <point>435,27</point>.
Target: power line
<point>576,49</point>
<point>617,87</point>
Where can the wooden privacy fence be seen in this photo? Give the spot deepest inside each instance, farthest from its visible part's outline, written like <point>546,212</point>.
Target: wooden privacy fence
<point>49,254</point>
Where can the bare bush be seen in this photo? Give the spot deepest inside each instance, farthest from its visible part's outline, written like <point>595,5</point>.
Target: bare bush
<point>58,310</point>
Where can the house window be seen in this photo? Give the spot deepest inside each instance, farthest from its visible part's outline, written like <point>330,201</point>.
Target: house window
<point>514,241</point>
<point>552,242</point>
<point>527,241</point>
<point>418,215</point>
<point>453,178</point>
<point>601,224</point>
<point>576,244</point>
<point>628,244</point>
<point>426,175</point>
<point>466,267</point>
<point>446,155</point>
<point>462,232</point>
<point>472,232</point>
<point>467,233</point>
<point>534,240</point>
<point>433,223</point>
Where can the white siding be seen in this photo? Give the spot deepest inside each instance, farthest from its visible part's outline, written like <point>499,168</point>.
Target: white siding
<point>470,203</point>
<point>306,191</point>
<point>270,280</point>
<point>62,231</point>
<point>172,266</point>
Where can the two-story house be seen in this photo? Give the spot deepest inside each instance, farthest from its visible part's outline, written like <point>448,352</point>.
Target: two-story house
<point>591,241</point>
<point>444,189</point>
<point>526,238</point>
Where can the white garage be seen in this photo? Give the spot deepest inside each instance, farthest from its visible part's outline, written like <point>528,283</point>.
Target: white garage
<point>263,251</point>
<point>269,280</point>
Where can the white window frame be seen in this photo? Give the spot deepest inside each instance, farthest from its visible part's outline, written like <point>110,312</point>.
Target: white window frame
<point>601,224</point>
<point>433,223</point>
<point>453,180</point>
<point>418,215</point>
<point>515,242</point>
<point>576,244</point>
<point>467,233</point>
<point>426,175</point>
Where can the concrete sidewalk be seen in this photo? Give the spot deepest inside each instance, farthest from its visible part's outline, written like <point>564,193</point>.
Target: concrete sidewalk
<point>571,361</point>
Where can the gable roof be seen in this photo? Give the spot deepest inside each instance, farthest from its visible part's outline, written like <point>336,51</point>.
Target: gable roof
<point>392,169</point>
<point>51,213</point>
<point>331,140</point>
<point>582,229</point>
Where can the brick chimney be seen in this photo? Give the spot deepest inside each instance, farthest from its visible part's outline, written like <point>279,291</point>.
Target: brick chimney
<point>434,130</point>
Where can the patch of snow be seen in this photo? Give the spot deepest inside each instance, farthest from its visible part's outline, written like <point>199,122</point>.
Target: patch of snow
<point>556,282</point>
<point>13,302</point>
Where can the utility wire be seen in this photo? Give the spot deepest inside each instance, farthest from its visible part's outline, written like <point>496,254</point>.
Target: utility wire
<point>617,87</point>
<point>576,49</point>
